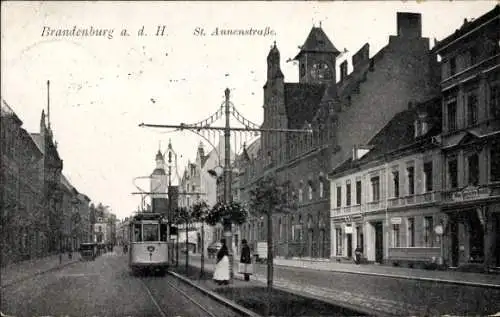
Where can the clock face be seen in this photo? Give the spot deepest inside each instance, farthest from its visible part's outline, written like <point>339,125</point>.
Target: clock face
<point>321,71</point>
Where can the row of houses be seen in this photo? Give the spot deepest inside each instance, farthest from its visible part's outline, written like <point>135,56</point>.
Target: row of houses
<point>403,159</point>
<point>42,212</point>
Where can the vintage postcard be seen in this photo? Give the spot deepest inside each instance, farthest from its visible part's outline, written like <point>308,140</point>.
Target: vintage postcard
<point>250,158</point>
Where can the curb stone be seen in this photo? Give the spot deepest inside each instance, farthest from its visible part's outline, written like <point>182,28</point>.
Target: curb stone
<point>217,297</point>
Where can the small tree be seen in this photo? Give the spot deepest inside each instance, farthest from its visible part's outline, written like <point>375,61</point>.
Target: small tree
<point>183,216</point>
<point>266,198</point>
<point>199,214</point>
<point>234,213</point>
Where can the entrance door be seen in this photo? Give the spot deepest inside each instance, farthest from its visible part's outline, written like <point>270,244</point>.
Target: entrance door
<point>379,242</point>
<point>454,243</point>
<point>349,245</point>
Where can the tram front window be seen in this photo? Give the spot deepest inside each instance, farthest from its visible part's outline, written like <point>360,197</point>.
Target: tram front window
<point>137,233</point>
<point>150,232</point>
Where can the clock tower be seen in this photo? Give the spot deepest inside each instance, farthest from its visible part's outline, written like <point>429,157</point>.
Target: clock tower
<point>317,59</point>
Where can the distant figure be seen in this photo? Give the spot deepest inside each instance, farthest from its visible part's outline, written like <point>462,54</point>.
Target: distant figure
<point>245,266</point>
<point>221,274</point>
<point>357,254</point>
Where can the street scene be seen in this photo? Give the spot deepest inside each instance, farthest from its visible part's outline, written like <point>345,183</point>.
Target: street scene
<point>161,160</point>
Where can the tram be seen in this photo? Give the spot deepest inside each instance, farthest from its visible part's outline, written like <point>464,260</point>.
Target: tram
<point>148,243</point>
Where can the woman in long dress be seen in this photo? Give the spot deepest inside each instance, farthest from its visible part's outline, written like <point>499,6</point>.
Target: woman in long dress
<point>221,274</point>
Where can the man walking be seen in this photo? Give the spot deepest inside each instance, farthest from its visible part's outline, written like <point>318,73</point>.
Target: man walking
<point>245,260</point>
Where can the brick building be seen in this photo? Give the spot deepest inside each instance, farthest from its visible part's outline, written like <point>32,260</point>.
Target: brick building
<point>341,114</point>
<point>36,199</point>
<point>470,86</point>
<point>24,226</point>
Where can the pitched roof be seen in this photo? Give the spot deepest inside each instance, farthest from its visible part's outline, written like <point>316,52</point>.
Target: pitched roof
<point>302,101</point>
<point>399,133</point>
<point>37,138</point>
<point>317,41</point>
<point>467,27</point>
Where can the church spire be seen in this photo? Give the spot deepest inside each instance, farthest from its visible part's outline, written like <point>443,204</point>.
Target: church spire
<point>273,63</point>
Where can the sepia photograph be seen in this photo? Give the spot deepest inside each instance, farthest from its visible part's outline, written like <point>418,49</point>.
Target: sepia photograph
<point>250,158</point>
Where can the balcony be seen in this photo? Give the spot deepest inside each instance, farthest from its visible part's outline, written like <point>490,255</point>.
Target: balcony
<point>347,210</point>
<point>375,205</point>
<point>472,193</point>
<point>424,198</point>
<point>470,72</point>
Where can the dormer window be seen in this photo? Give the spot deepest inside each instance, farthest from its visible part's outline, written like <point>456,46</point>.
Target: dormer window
<point>421,125</point>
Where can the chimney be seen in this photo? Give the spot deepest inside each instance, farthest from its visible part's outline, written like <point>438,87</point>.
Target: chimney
<point>343,70</point>
<point>409,24</point>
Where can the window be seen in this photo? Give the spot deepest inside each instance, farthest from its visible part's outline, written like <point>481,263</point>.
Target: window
<point>473,56</point>
<point>280,226</point>
<point>428,229</point>
<point>453,66</point>
<point>428,176</point>
<point>411,232</point>
<point>137,233</point>
<point>495,162</point>
<point>395,180</point>
<point>358,192</point>
<point>471,108</point>
<point>348,193</point>
<point>301,193</point>
<point>410,170</point>
<point>452,115</point>
<point>302,69</point>
<point>473,166</point>
<point>453,173</point>
<point>375,188</point>
<point>310,192</point>
<point>338,241</point>
<point>321,189</point>
<point>494,101</point>
<point>395,236</point>
<point>339,196</point>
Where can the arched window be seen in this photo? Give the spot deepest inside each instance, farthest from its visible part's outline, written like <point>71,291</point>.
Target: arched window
<point>310,191</point>
<point>321,188</point>
<point>300,195</point>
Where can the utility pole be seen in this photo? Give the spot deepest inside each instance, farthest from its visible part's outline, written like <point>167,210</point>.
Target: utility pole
<point>228,232</point>
<point>248,127</point>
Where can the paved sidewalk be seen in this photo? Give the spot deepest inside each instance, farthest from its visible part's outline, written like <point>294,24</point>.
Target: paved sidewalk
<point>371,306</point>
<point>454,277</point>
<point>15,272</point>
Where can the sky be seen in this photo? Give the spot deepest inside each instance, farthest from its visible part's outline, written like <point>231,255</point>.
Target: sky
<point>102,88</point>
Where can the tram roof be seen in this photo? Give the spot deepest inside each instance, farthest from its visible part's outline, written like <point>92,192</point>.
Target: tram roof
<point>147,216</point>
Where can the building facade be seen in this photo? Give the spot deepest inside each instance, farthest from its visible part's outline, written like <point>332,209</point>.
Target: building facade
<point>470,86</point>
<point>24,227</point>
<point>36,198</point>
<point>385,198</point>
<point>341,113</point>
<point>199,182</point>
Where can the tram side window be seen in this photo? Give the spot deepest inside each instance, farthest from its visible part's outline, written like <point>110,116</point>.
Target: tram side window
<point>137,233</point>
<point>150,232</point>
<point>163,232</point>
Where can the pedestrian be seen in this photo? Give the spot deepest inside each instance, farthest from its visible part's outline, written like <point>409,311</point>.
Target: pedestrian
<point>357,254</point>
<point>245,266</point>
<point>221,274</point>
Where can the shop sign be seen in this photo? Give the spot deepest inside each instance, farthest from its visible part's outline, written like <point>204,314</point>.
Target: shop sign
<point>348,229</point>
<point>396,220</point>
<point>470,193</point>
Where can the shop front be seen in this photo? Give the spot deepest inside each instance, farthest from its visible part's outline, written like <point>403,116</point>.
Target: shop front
<point>472,232</point>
